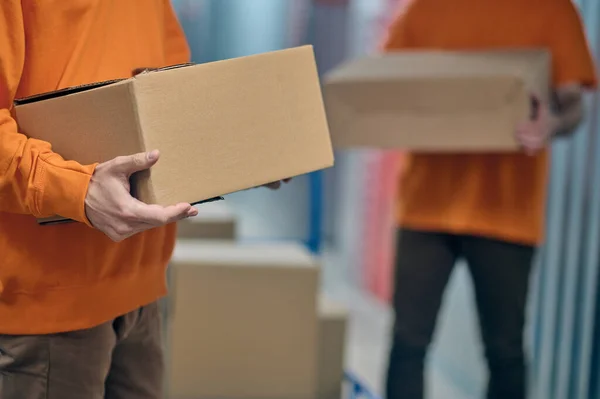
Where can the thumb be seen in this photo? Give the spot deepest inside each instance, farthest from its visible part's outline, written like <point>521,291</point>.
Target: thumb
<point>131,164</point>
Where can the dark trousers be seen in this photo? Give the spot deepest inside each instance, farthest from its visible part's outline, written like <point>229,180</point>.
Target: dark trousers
<point>500,273</point>
<point>120,359</point>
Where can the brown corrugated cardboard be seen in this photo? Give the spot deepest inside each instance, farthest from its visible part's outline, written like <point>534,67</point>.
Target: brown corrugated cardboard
<point>221,127</point>
<point>215,221</point>
<point>243,322</point>
<point>435,101</point>
<point>333,324</point>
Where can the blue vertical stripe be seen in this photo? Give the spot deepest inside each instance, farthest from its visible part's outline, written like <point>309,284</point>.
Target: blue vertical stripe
<point>316,203</point>
<point>327,32</point>
<point>316,192</point>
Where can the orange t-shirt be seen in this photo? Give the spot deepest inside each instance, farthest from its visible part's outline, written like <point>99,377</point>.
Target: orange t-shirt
<point>499,196</point>
<point>69,277</point>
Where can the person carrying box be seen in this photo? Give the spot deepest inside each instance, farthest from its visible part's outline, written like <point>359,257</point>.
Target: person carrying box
<point>78,302</point>
<point>485,208</point>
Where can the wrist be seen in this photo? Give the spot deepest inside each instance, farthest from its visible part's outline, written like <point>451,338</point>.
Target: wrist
<point>554,125</point>
<point>66,191</point>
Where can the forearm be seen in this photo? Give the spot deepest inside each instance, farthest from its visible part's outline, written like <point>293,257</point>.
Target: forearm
<point>567,110</point>
<point>34,180</point>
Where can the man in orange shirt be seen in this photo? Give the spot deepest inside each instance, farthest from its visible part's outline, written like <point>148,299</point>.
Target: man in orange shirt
<point>78,311</point>
<point>485,208</point>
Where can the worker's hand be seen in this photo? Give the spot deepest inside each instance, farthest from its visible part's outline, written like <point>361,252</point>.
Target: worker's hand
<point>534,134</point>
<point>110,207</point>
<point>276,185</point>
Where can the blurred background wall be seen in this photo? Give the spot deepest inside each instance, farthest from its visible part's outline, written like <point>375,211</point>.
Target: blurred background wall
<point>565,322</point>
<point>346,212</point>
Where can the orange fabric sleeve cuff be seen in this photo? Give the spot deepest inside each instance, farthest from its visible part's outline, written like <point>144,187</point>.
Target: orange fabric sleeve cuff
<point>587,81</point>
<point>62,191</point>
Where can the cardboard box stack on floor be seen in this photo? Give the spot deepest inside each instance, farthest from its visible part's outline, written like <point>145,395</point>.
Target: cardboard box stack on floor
<point>243,322</point>
<point>215,221</point>
<point>221,127</point>
<point>435,101</point>
<point>246,321</point>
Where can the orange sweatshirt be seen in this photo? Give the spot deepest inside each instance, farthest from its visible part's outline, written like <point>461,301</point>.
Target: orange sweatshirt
<point>500,196</point>
<point>70,277</point>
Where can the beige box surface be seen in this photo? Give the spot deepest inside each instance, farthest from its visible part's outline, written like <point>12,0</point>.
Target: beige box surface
<point>215,221</point>
<point>243,322</point>
<point>221,127</point>
<point>333,325</point>
<point>435,101</point>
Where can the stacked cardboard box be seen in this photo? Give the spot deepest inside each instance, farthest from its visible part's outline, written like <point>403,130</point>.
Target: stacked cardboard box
<point>215,221</point>
<point>243,322</point>
<point>246,322</point>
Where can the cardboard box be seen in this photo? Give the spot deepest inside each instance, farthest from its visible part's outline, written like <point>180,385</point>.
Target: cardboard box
<point>435,101</point>
<point>215,221</point>
<point>221,127</point>
<point>243,322</point>
<point>333,325</point>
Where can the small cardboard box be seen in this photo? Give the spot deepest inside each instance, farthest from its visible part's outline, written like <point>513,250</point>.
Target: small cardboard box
<point>215,221</point>
<point>243,322</point>
<point>435,101</point>
<point>221,127</point>
<point>333,325</point>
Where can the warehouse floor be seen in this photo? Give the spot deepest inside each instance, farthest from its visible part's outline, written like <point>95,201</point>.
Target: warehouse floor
<point>368,335</point>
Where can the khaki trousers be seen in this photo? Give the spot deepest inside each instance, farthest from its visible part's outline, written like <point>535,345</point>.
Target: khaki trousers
<point>121,359</point>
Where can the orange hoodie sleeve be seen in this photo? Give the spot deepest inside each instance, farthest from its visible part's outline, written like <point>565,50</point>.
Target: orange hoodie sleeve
<point>573,61</point>
<point>178,51</point>
<point>33,179</point>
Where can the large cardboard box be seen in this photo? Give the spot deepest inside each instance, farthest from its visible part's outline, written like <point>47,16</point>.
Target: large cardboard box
<point>333,325</point>
<point>215,221</point>
<point>435,101</point>
<point>243,322</point>
<point>221,127</point>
